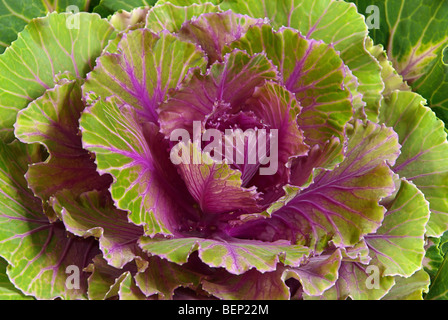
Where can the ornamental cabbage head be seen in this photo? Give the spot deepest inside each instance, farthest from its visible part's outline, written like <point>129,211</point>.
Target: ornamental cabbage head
<point>236,149</point>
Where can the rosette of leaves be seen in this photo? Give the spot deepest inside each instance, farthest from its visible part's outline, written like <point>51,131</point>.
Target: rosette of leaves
<point>86,119</point>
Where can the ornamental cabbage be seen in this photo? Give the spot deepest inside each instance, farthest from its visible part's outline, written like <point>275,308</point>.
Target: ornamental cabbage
<point>234,149</point>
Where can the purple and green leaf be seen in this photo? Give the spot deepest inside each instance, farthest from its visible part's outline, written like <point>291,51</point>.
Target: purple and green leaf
<point>143,69</point>
<point>137,157</point>
<point>423,153</point>
<point>93,214</point>
<point>235,255</point>
<point>342,203</point>
<point>43,50</point>
<point>337,23</point>
<point>38,251</point>
<point>53,121</point>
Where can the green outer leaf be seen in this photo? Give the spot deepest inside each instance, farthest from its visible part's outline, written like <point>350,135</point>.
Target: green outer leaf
<point>38,252</point>
<point>16,14</point>
<point>439,285</point>
<point>109,7</point>
<point>398,245</point>
<point>334,22</point>
<point>392,80</point>
<point>434,86</point>
<point>423,153</point>
<point>435,251</point>
<point>413,33</point>
<point>411,288</point>
<point>415,36</point>
<point>45,48</point>
<point>435,264</point>
<point>352,282</point>
<point>171,17</point>
<point>236,256</point>
<point>7,290</point>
